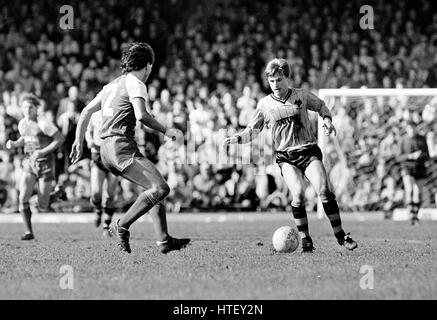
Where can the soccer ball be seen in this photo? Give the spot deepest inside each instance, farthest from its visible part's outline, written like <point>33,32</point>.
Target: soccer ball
<point>285,239</point>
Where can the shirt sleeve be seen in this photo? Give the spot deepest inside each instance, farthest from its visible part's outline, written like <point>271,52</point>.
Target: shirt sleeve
<point>135,89</point>
<point>316,104</point>
<point>48,128</point>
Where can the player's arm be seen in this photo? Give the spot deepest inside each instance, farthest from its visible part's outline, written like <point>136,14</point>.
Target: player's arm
<point>84,118</point>
<point>148,120</point>
<point>15,144</point>
<point>58,139</point>
<point>316,104</point>
<point>89,135</point>
<point>253,129</point>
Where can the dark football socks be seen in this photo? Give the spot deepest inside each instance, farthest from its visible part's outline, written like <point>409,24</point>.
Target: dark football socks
<point>333,213</point>
<point>143,204</point>
<point>301,220</point>
<point>27,215</point>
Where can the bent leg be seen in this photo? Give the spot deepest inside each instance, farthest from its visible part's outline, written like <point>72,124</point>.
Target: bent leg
<point>294,179</point>
<point>159,219</point>
<point>316,174</point>
<point>143,173</point>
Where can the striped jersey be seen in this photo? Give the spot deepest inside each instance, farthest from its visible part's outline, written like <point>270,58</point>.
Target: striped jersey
<point>288,119</point>
<point>118,116</point>
<point>36,134</point>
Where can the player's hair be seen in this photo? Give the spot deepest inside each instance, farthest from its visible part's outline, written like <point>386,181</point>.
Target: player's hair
<point>31,98</point>
<point>277,66</point>
<point>136,56</point>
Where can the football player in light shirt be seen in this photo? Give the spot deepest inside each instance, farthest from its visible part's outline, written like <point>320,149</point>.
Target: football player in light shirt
<point>123,103</point>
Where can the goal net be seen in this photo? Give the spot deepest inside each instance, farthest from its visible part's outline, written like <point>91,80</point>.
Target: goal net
<point>362,160</point>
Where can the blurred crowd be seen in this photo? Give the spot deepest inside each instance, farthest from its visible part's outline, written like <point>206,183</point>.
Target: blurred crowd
<point>364,162</point>
<point>207,79</point>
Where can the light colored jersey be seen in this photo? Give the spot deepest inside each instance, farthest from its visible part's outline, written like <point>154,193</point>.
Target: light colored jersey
<point>37,134</point>
<point>288,119</point>
<point>94,131</point>
<point>118,116</point>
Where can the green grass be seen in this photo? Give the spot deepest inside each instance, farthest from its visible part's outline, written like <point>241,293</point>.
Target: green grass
<point>227,260</point>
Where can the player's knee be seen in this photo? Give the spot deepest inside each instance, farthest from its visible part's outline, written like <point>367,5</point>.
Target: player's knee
<point>158,193</point>
<point>326,195</point>
<point>162,190</point>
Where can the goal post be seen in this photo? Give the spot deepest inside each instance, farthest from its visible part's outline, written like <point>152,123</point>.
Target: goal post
<point>363,118</point>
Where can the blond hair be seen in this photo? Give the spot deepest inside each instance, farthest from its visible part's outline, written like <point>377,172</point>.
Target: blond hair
<point>277,66</point>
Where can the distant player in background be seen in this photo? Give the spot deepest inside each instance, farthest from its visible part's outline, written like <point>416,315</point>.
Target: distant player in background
<point>103,182</point>
<point>40,139</point>
<point>285,111</point>
<point>414,153</point>
<point>123,103</point>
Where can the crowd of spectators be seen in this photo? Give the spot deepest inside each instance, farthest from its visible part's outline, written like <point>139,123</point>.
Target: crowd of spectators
<point>207,79</point>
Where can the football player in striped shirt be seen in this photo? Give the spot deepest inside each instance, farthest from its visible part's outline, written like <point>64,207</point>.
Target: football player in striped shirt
<point>285,112</point>
<point>122,103</point>
<point>40,139</point>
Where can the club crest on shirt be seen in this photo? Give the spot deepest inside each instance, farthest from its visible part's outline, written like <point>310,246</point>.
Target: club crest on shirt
<point>285,114</point>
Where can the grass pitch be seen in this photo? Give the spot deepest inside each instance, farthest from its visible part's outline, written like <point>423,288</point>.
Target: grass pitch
<point>229,258</point>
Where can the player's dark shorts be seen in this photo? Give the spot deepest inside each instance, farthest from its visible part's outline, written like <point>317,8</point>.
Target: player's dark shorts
<point>118,153</point>
<point>41,168</point>
<point>416,170</point>
<point>97,161</point>
<point>299,158</point>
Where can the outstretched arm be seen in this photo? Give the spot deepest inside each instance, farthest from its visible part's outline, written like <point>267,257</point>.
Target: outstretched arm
<point>145,117</point>
<point>15,144</point>
<point>84,119</point>
<point>148,120</point>
<point>250,132</point>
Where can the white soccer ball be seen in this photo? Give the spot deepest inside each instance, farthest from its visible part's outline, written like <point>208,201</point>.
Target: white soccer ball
<point>285,239</point>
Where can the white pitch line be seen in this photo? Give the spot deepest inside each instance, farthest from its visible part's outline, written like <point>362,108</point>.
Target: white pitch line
<point>413,241</point>
<point>184,217</point>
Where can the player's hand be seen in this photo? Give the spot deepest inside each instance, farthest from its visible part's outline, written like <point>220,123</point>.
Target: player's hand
<point>329,127</point>
<point>173,134</point>
<point>9,144</point>
<point>228,141</point>
<point>76,152</point>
